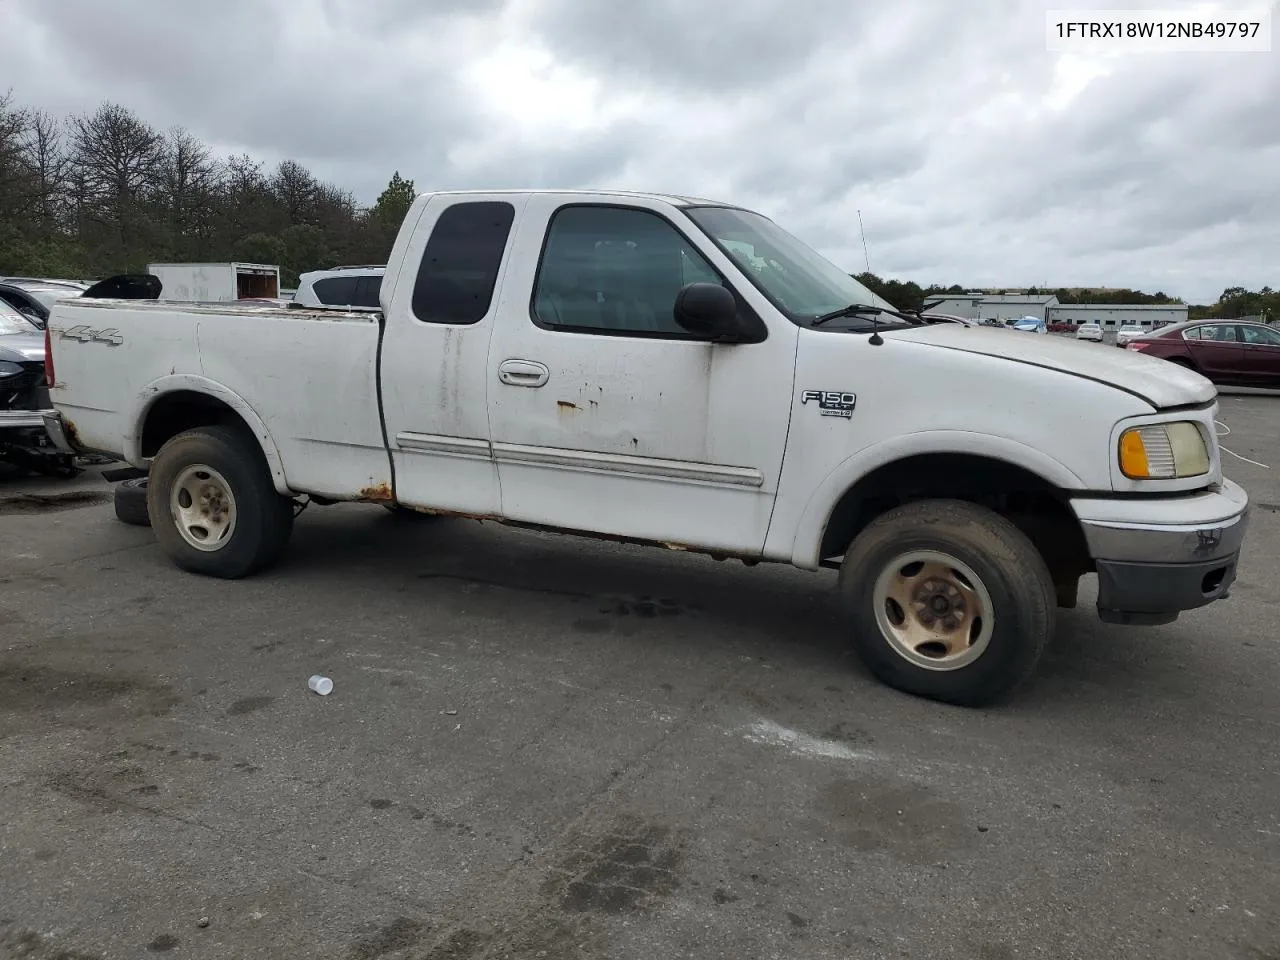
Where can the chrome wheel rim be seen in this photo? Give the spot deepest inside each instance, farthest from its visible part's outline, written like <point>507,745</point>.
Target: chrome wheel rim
<point>933,610</point>
<point>203,507</point>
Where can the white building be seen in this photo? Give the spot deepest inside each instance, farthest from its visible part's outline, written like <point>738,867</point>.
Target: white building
<point>965,305</point>
<point>990,306</point>
<point>1008,306</point>
<point>1112,316</point>
<point>1014,306</point>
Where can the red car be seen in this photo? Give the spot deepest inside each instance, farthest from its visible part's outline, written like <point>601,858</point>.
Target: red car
<point>1228,352</point>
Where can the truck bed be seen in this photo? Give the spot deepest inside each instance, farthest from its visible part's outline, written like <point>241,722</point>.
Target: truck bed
<point>311,374</point>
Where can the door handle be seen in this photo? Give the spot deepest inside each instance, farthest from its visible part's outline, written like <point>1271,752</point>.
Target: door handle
<point>523,373</point>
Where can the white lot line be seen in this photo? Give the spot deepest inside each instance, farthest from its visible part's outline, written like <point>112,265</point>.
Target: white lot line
<point>1232,452</point>
<point>766,731</point>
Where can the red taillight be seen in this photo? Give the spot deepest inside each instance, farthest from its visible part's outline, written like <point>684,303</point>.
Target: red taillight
<point>48,357</point>
<point>1135,345</point>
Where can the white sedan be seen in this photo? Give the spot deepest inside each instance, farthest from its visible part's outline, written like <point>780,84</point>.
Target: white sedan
<point>1089,331</point>
<point>1127,333</point>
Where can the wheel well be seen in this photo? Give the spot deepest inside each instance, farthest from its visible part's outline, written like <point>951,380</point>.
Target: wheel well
<point>1029,501</point>
<point>184,410</point>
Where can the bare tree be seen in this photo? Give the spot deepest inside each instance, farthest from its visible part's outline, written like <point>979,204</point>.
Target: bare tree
<point>296,190</point>
<point>44,155</point>
<point>248,205</point>
<point>120,161</point>
<point>15,181</point>
<point>189,192</point>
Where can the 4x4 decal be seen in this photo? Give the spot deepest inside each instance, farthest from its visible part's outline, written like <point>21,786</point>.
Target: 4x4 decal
<point>86,334</point>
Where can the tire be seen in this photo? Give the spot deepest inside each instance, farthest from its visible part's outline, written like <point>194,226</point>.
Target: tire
<point>987,656</point>
<point>249,524</point>
<point>131,502</point>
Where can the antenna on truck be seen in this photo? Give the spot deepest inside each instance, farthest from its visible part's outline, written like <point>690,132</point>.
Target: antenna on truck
<point>864,241</point>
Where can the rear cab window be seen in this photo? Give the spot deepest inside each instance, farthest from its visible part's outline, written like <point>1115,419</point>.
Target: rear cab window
<point>461,261</point>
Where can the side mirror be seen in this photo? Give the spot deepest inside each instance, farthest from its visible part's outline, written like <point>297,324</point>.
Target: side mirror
<point>708,310</point>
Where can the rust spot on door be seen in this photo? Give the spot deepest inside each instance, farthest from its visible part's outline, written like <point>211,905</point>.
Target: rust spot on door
<point>72,435</point>
<point>564,405</point>
<point>377,493</point>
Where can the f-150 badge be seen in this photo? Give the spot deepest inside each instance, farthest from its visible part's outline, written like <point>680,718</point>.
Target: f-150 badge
<point>86,334</point>
<point>831,403</point>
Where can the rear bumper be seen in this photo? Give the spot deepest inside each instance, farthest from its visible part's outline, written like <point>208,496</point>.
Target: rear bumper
<point>1156,558</point>
<point>56,428</point>
<point>22,419</point>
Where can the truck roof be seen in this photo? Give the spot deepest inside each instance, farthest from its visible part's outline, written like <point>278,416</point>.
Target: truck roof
<point>671,198</point>
<point>218,263</point>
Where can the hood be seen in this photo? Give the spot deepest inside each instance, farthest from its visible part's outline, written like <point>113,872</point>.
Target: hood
<point>1159,382</point>
<point>22,347</point>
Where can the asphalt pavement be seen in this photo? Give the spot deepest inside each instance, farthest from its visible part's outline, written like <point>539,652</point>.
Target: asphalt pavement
<point>548,747</point>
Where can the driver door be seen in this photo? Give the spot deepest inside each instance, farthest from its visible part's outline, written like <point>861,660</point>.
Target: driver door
<point>1217,352</point>
<point>606,415</point>
<point>1261,355</point>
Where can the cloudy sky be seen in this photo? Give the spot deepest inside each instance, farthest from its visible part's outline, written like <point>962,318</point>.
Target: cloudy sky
<point>974,154</point>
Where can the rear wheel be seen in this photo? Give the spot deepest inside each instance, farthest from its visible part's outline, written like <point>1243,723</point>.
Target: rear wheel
<point>948,601</point>
<point>213,506</point>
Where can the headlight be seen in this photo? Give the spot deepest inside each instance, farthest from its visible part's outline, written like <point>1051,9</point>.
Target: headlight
<point>8,369</point>
<point>1163,451</point>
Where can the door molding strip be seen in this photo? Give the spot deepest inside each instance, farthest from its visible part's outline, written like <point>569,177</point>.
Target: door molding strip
<point>470,447</point>
<point>556,457</point>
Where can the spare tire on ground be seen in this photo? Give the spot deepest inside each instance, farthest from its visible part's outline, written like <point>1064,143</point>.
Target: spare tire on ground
<point>131,502</point>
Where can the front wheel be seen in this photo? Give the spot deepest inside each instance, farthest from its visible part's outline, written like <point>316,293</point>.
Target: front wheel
<point>948,601</point>
<point>213,506</point>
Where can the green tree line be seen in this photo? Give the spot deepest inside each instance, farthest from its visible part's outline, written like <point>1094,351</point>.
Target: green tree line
<point>1235,302</point>
<point>104,192</point>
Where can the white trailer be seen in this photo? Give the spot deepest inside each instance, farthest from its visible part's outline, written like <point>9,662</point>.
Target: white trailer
<point>213,282</point>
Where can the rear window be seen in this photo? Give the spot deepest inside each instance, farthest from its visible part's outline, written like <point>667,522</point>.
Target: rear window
<point>336,291</point>
<point>459,267</point>
<point>367,290</point>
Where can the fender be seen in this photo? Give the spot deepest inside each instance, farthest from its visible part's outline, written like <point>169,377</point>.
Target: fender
<point>157,390</point>
<point>813,521</point>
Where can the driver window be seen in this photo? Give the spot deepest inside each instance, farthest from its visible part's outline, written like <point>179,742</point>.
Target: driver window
<point>1261,335</point>
<point>615,270</point>
<point>1218,332</point>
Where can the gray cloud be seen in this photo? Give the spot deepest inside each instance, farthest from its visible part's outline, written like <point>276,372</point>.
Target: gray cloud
<point>974,155</point>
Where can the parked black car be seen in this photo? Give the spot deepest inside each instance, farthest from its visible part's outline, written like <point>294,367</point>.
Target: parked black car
<point>24,395</point>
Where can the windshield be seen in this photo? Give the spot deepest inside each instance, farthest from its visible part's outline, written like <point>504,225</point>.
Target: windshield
<point>49,296</point>
<point>11,321</point>
<point>797,279</point>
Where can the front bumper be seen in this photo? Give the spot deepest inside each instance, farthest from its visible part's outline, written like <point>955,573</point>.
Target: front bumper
<point>1156,558</point>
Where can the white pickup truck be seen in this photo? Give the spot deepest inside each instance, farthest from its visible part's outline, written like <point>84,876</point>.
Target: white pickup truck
<point>682,373</point>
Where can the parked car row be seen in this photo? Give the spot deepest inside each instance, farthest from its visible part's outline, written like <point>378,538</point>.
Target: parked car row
<point>25,306</point>
<point>24,397</point>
